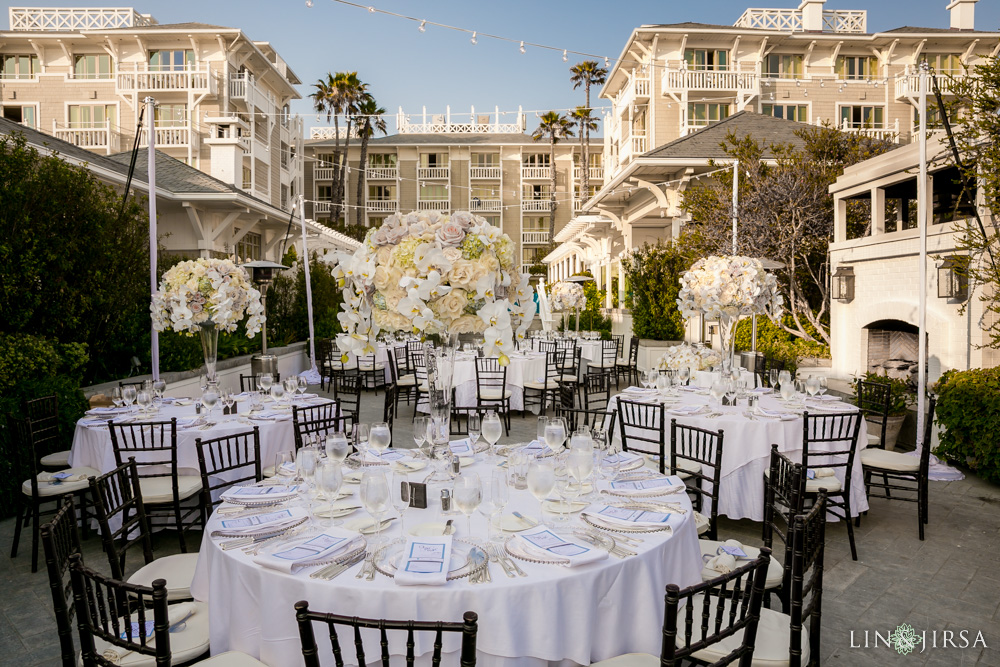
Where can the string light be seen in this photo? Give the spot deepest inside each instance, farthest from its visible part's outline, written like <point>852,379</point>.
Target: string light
<point>521,48</point>
<point>606,62</point>
<point>371,10</point>
<point>423,26</point>
<point>565,57</point>
<point>475,39</point>
<point>309,3</point>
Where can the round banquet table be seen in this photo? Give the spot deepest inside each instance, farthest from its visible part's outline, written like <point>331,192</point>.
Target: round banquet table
<point>555,615</point>
<point>523,367</point>
<point>746,450</point>
<point>92,443</point>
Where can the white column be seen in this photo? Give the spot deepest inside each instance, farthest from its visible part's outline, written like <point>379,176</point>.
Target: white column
<point>608,299</point>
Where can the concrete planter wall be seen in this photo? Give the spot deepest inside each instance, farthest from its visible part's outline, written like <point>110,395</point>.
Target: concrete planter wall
<point>292,360</point>
<point>651,350</point>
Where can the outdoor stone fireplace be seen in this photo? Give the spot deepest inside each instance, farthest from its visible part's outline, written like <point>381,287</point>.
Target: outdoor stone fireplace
<point>893,349</point>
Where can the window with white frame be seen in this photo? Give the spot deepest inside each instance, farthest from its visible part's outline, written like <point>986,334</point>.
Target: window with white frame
<point>433,192</point>
<point>171,61</point>
<point>375,220</point>
<point>171,115</point>
<point>25,115</point>
<point>535,160</point>
<point>535,192</point>
<point>324,193</point>
<point>949,64</point>
<point>484,192</point>
<point>797,112</point>
<point>91,115</point>
<point>703,113</point>
<point>596,159</point>
<point>533,254</point>
<point>857,68</point>
<point>433,160</point>
<point>324,160</point>
<point>493,220</point>
<point>20,66</point>
<point>92,66</point>
<point>381,193</point>
<point>248,248</point>
<point>783,66</point>
<point>856,116</point>
<point>706,59</point>
<point>535,223</point>
<point>589,193</point>
<point>485,160</point>
<point>381,160</point>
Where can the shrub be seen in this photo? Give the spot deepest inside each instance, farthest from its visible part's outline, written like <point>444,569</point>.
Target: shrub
<point>968,411</point>
<point>900,394</point>
<point>653,273</point>
<point>776,343</point>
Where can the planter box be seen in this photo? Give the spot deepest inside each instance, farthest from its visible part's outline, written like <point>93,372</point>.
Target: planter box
<point>651,350</point>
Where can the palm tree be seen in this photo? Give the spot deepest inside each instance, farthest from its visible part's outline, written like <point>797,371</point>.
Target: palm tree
<point>338,95</point>
<point>370,120</point>
<point>586,74</point>
<point>581,117</point>
<point>555,126</point>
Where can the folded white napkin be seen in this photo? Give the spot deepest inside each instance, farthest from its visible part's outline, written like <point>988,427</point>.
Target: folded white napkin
<point>776,414</point>
<point>535,447</point>
<point>182,401</point>
<point>93,423</point>
<point>723,563</point>
<point>461,447</point>
<point>311,550</point>
<point>261,523</point>
<point>668,484</point>
<point>176,614</point>
<point>816,473</point>
<point>641,518</point>
<point>275,493</point>
<point>833,407</point>
<point>761,390</point>
<point>306,396</point>
<point>271,417</point>
<point>59,477</point>
<point>388,456</point>
<point>188,422</point>
<point>622,458</point>
<point>425,561</point>
<point>638,390</point>
<point>689,388</point>
<point>824,397</point>
<point>107,411</point>
<point>686,410</point>
<point>542,541</point>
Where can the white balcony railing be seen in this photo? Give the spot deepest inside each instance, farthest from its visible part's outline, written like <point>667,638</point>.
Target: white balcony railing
<point>323,173</point>
<point>323,207</point>
<point>381,173</point>
<point>791,20</point>
<point>484,172</point>
<point>381,205</point>
<point>133,78</point>
<point>168,137</point>
<point>636,90</point>
<point>535,205</point>
<point>434,205</point>
<point>685,79</point>
<point>485,205</point>
<point>534,237</point>
<point>536,172</point>
<point>634,145</point>
<point>578,205</point>
<point>433,172</point>
<point>596,173</point>
<point>890,133</point>
<point>104,138</point>
<point>75,19</point>
<point>243,87</point>
<point>908,85</point>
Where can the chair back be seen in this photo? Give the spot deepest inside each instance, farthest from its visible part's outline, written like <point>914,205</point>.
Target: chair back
<point>107,608</point>
<point>400,361</point>
<point>641,427</point>
<point>389,406</point>
<point>413,347</point>
<point>153,444</point>
<point>578,417</point>
<point>711,611</point>
<point>597,390</point>
<point>137,384</point>
<point>874,400</point>
<point>840,432</point>
<point>24,448</point>
<point>784,496</point>
<point>118,501</point>
<point>620,343</point>
<point>491,380</point>
<point>43,416</point>
<point>806,580</point>
<point>633,351</point>
<point>698,445</point>
<point>249,382</point>
<point>354,626</point>
<point>347,390</point>
<point>609,353</point>
<point>316,421</point>
<point>238,454</point>
<point>546,346</point>
<point>925,452</point>
<point>60,540</point>
<point>459,422</point>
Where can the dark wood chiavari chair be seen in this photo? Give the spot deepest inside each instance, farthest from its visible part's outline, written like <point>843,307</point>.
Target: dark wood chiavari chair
<point>404,379</point>
<point>60,540</point>
<point>491,388</point>
<point>696,457</point>
<point>389,405</point>
<point>840,433</point>
<point>310,651</point>
<point>642,429</point>
<point>317,421</point>
<point>458,425</point>
<point>629,368</point>
<point>371,372</point>
<point>784,496</point>
<point>347,392</point>
<point>538,390</point>
<point>237,454</point>
<point>874,400</point>
<point>43,415</point>
<point>249,382</point>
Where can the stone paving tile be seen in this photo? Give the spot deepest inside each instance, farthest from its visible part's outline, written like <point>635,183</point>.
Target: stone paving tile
<point>950,581</point>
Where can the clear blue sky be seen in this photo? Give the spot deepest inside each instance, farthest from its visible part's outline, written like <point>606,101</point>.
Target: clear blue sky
<point>407,68</point>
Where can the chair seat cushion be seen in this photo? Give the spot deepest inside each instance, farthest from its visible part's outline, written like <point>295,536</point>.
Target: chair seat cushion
<point>569,378</point>
<point>773,636</point>
<point>423,386</point>
<point>831,484</point>
<point>897,461</point>
<point>494,394</point>
<point>710,548</point>
<point>157,490</point>
<point>407,381</point>
<point>56,459</point>
<point>178,570</point>
<point>231,659</point>
<point>50,489</point>
<point>874,440</point>
<point>188,642</point>
<point>629,660</point>
<point>685,467</point>
<point>602,364</point>
<point>370,367</point>
<point>551,384</point>
<point>702,523</point>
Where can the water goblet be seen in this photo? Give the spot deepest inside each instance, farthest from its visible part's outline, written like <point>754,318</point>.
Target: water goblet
<point>256,400</point>
<point>265,381</point>
<point>543,421</point>
<point>812,385</point>
<point>823,385</point>
<point>359,436</point>
<point>492,430</point>
<point>159,386</point>
<point>329,478</point>
<point>380,437</point>
<point>143,399</point>
<point>116,397</point>
<point>128,396</point>
<point>282,469</point>
<point>337,446</point>
<point>474,429</point>
<point>784,376</point>
<point>541,480</point>
<point>277,393</point>
<point>718,390</point>
<point>787,390</point>
<point>731,391</point>
<point>468,494</point>
<point>374,493</point>
<point>210,397</point>
<point>772,376</point>
<point>301,385</point>
<point>555,434</point>
<point>684,374</point>
<point>400,490</point>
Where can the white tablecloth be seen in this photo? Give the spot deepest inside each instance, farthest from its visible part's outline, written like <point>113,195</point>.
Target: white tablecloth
<point>555,614</point>
<point>529,367</point>
<point>746,452</point>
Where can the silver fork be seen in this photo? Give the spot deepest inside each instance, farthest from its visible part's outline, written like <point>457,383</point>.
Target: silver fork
<point>364,569</point>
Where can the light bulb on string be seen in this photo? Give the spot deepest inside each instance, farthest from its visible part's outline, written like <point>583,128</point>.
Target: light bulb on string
<point>423,26</point>
<point>475,38</point>
<point>521,48</point>
<point>607,63</point>
<point>565,57</point>
<point>371,10</point>
<point>309,3</point>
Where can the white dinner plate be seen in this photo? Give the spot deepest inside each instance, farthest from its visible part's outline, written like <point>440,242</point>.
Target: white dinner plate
<point>337,509</point>
<point>511,524</point>
<point>431,529</point>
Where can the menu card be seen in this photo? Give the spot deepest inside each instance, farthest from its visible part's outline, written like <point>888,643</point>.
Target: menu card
<point>424,561</point>
<point>545,543</point>
<point>635,517</point>
<point>311,550</point>
<point>271,493</point>
<point>259,524</point>
<point>461,447</point>
<point>648,484</point>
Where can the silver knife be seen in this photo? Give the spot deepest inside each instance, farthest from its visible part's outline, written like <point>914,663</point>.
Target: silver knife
<point>447,527</point>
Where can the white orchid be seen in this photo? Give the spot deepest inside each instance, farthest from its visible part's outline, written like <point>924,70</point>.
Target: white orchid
<point>195,292</point>
<point>432,287</point>
<point>495,315</point>
<point>485,288</point>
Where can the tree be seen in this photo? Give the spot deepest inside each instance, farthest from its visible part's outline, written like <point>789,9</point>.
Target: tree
<point>976,137</point>
<point>370,120</point>
<point>588,73</point>
<point>337,96</point>
<point>785,214</point>
<point>555,126</point>
<point>653,273</point>
<point>585,122</point>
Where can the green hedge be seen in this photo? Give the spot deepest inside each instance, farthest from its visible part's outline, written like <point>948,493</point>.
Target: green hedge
<point>653,273</point>
<point>776,343</point>
<point>968,411</point>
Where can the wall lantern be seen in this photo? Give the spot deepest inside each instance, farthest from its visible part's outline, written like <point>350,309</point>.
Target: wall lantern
<point>953,283</point>
<point>843,284</point>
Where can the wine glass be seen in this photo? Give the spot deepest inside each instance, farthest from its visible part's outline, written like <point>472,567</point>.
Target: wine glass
<point>492,430</point>
<point>684,374</point>
<point>475,427</point>
<point>379,437</point>
<point>499,496</point>
<point>277,393</point>
<point>812,385</point>
<point>420,434</point>
<point>143,399</point>
<point>772,376</point>
<point>116,396</point>
<point>662,383</point>
<point>731,391</point>
<point>337,447</point>
<point>400,491</point>
<point>579,465</point>
<point>159,386</point>
<point>329,478</point>
<point>611,461</point>
<point>228,399</point>
<point>468,494</point>
<point>555,434</point>
<point>823,385</point>
<point>375,497</point>
<point>718,390</point>
<point>787,390</point>
<point>543,421</point>
<point>541,479</point>
<point>265,381</point>
<point>210,397</point>
<point>784,376</point>
<point>301,385</point>
<point>128,396</point>
<point>359,436</point>
<point>581,440</point>
<point>280,467</point>
<point>651,376</point>
<point>256,400</point>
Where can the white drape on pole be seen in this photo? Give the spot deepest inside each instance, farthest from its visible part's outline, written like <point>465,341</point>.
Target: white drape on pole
<point>312,375</point>
<point>922,303</point>
<point>151,124</point>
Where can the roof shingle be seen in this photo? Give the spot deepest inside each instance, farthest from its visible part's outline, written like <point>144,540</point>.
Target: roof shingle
<point>707,142</point>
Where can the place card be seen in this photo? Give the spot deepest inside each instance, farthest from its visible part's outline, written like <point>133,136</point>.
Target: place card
<point>424,561</point>
<point>548,541</point>
<point>543,541</point>
<point>642,484</point>
<point>271,490</point>
<point>256,520</point>
<point>735,552</point>
<point>636,516</point>
<point>461,447</point>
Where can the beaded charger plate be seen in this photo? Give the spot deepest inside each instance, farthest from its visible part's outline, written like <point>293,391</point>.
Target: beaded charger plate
<point>515,548</point>
<point>387,559</point>
<point>639,476</point>
<point>617,527</point>
<point>343,557</point>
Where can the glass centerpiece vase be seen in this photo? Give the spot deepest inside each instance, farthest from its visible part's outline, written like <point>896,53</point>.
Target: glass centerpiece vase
<point>440,360</point>
<point>727,332</point>
<point>209,333</point>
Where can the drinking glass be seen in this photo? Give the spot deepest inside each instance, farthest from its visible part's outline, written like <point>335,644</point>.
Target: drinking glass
<point>256,400</point>
<point>420,432</point>
<point>128,396</point>
<point>718,390</point>
<point>474,429</point>
<point>684,374</point>
<point>731,391</point>
<point>228,399</point>
<point>159,386</point>
<point>812,385</point>
<point>143,399</point>
<point>651,376</point>
<point>375,497</point>
<point>468,494</point>
<point>337,446</point>
<point>277,393</point>
<point>823,385</point>
<point>581,440</point>
<point>301,385</point>
<point>784,376</point>
<point>265,381</point>
<point>499,495</point>
<point>210,397</point>
<point>290,384</point>
<point>329,478</point>
<point>379,437</point>
<point>542,423</point>
<point>579,465</point>
<point>116,396</point>
<point>772,375</point>
<point>555,434</point>
<point>787,390</point>
<point>400,491</point>
<point>492,430</point>
<point>359,436</point>
<point>662,383</point>
<point>541,480</point>
<point>610,462</point>
<point>280,469</point>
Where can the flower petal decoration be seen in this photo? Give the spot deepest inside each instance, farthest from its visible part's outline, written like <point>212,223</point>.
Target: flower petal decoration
<point>196,291</point>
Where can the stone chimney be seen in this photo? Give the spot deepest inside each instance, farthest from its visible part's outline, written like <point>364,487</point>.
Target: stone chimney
<point>963,14</point>
<point>812,15</point>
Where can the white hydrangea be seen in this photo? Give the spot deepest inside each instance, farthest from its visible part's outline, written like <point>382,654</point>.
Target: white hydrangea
<point>197,291</point>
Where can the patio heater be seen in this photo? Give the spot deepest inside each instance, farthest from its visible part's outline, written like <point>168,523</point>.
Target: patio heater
<point>262,273</point>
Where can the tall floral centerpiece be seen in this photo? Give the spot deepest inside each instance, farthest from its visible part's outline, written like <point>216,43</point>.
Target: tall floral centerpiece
<point>689,356</point>
<point>205,296</point>
<point>566,297</point>
<point>726,289</point>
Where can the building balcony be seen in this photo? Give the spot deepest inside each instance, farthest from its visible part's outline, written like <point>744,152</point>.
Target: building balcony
<point>477,205</point>
<point>596,173</point>
<point>433,172</point>
<point>529,173</point>
<point>323,207</point>
<point>634,145</point>
<point>381,205</point>
<point>168,137</point>
<point>135,78</point>
<point>434,205</point>
<point>535,205</point>
<point>578,204</point>
<point>890,133</point>
<point>381,173</point>
<point>635,91</point>
<point>676,80</point>
<point>323,173</point>
<point>244,88</point>
<point>104,138</point>
<point>907,86</point>
<point>535,237</point>
<point>485,172</point>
